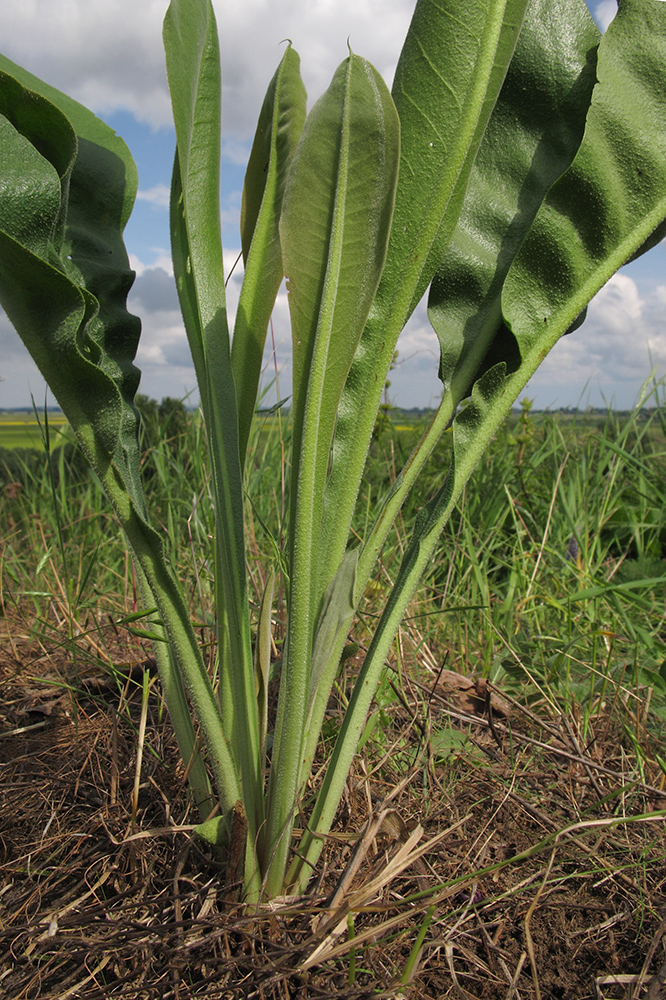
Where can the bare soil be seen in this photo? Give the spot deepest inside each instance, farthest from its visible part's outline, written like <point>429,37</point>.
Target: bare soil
<point>528,847</point>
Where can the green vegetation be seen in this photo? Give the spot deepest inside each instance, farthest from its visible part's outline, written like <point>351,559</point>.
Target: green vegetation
<point>576,175</point>
<point>21,429</point>
<point>506,597</point>
<point>550,579</point>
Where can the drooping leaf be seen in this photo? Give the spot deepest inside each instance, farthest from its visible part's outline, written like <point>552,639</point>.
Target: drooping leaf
<point>64,279</point>
<point>612,198</point>
<point>97,199</point>
<point>66,291</point>
<point>532,137</point>
<point>35,184</point>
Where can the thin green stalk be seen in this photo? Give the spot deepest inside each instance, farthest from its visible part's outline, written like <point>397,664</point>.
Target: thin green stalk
<point>306,503</point>
<point>183,646</point>
<point>179,712</point>
<point>428,528</point>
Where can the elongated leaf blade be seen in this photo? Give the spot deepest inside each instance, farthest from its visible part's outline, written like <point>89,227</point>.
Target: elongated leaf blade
<point>448,78</point>
<point>334,231</point>
<point>335,224</point>
<point>447,81</point>
<point>279,128</point>
<point>278,131</point>
<point>193,71</point>
<point>526,146</point>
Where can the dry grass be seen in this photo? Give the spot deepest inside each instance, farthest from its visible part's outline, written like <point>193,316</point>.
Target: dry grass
<point>508,853</point>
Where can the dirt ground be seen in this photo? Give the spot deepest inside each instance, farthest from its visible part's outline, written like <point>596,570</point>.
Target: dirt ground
<point>482,850</point>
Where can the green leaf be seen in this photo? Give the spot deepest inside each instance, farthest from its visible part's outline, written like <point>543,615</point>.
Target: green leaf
<point>65,276</point>
<point>214,831</point>
<point>278,131</point>
<point>601,211</point>
<point>448,78</point>
<point>262,655</point>
<point>193,72</point>
<point>611,199</point>
<point>334,620</point>
<point>35,185</point>
<point>447,81</point>
<point>65,291</point>
<point>528,144</point>
<point>333,623</point>
<point>334,230</point>
<point>87,126</point>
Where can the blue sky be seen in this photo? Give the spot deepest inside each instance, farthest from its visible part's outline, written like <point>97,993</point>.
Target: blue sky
<point>108,54</point>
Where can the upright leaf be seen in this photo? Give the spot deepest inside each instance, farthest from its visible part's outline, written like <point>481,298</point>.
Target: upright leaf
<point>448,78</point>
<point>278,131</point>
<point>334,230</point>
<point>193,71</point>
<point>279,128</point>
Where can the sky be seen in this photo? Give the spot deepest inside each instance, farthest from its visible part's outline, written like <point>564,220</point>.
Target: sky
<point>108,54</point>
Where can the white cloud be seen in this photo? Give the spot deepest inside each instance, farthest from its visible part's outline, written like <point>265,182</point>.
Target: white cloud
<point>157,195</point>
<point>162,261</point>
<point>108,54</point>
<point>611,354</point>
<point>604,12</point>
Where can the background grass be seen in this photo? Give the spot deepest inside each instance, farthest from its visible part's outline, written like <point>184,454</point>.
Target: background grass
<point>549,580</point>
<point>21,429</point>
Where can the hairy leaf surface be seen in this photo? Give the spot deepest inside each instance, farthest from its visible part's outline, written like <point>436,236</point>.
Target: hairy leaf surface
<point>449,75</point>
<point>532,137</point>
<point>280,125</point>
<point>612,198</point>
<point>193,72</point>
<point>334,229</point>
